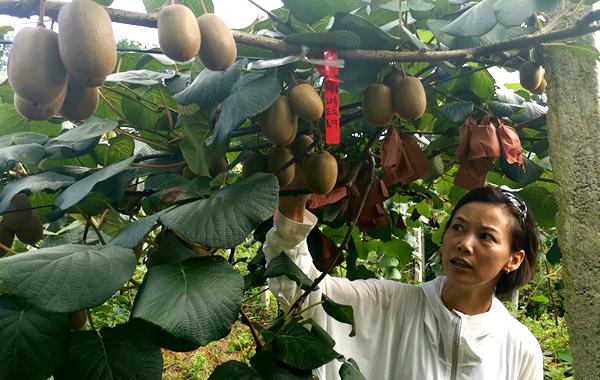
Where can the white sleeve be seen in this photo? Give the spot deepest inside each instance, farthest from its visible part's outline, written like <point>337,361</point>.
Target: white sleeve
<point>533,363</point>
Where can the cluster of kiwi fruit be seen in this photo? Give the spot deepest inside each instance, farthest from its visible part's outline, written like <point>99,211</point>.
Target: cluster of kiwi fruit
<point>398,94</point>
<point>182,36</point>
<point>279,125</point>
<point>53,72</point>
<point>20,220</point>
<point>531,76</point>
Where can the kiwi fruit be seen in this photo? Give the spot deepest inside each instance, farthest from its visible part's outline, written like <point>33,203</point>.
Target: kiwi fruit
<point>218,50</point>
<point>531,75</point>
<point>217,167</point>
<point>16,219</point>
<point>279,122</point>
<point>408,95</point>
<point>32,111</point>
<point>35,70</point>
<point>77,319</point>
<point>86,42</point>
<point>377,105</point>
<point>7,237</point>
<point>256,163</point>
<point>178,32</point>
<point>277,158</point>
<point>31,231</point>
<point>81,101</point>
<point>320,172</point>
<point>541,88</point>
<point>306,102</point>
<point>300,144</point>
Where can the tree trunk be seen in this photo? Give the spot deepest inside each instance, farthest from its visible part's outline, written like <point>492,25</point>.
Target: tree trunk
<point>574,134</point>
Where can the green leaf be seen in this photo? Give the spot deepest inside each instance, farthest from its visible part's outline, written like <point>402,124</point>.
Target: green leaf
<point>482,84</point>
<point>265,363</point>
<point>282,265</point>
<point>138,113</point>
<point>133,233</point>
<point>516,12</point>
<point>476,21</point>
<point>420,5</point>
<point>526,175</point>
<point>141,77</point>
<point>339,312</point>
<point>457,111</point>
<point>22,138</point>
<point>57,150</point>
<point>197,8</point>
<point>197,300</point>
<point>198,155</point>
<point>34,183</point>
<point>397,248</point>
<point>341,39</point>
<point>69,277</point>
<point>249,98</point>
<point>350,371</point>
<point>371,36</point>
<point>530,111</point>
<point>104,3</point>
<point>229,215</point>
<point>310,11</point>
<point>153,5</point>
<point>169,250</point>
<point>123,352</point>
<point>211,87</point>
<point>80,189</point>
<point>10,120</point>
<point>540,298</point>
<point>300,348</point>
<point>554,254</point>
<point>501,109</point>
<point>29,154</point>
<point>542,203</point>
<point>234,370</point>
<point>92,127</point>
<point>117,149</point>
<point>580,50</point>
<point>33,341</point>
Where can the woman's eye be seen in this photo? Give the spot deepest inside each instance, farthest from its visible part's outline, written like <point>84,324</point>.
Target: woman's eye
<point>456,227</point>
<point>487,237</point>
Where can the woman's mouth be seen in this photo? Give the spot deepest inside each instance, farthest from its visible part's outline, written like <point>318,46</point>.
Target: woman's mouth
<point>460,263</point>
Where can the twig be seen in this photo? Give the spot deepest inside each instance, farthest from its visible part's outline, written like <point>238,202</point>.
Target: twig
<point>551,293</point>
<point>89,317</point>
<point>40,21</point>
<point>97,231</point>
<point>231,255</point>
<point>271,15</point>
<point>8,249</point>
<point>253,331</point>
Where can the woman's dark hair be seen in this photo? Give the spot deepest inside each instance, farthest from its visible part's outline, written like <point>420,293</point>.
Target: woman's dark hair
<point>524,235</point>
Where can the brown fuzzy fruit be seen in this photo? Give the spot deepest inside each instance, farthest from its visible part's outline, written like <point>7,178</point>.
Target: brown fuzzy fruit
<point>217,167</point>
<point>77,319</point>
<point>14,219</point>
<point>306,102</point>
<point>277,158</point>
<point>377,105</point>
<point>279,122</point>
<point>408,95</point>
<point>81,101</point>
<point>531,75</point>
<point>7,237</point>
<point>320,172</point>
<point>541,88</point>
<point>178,32</point>
<point>32,111</point>
<point>300,144</point>
<point>218,50</point>
<point>256,163</point>
<point>35,70</point>
<point>31,231</point>
<point>86,42</point>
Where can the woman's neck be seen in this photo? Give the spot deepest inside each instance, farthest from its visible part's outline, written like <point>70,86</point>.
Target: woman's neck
<point>468,301</point>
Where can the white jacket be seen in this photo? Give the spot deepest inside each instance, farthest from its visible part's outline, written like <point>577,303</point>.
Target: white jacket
<point>404,331</point>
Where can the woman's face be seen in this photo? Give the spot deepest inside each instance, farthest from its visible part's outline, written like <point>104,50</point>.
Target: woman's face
<point>476,248</point>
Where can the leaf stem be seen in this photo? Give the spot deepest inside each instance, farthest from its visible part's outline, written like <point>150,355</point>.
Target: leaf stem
<point>40,21</point>
<point>203,6</point>
<point>253,331</point>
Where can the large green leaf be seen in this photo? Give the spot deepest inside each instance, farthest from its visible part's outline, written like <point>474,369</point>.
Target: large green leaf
<point>457,111</point>
<point>141,77</point>
<point>198,155</point>
<point>22,138</point>
<point>26,153</point>
<point>350,371</point>
<point>251,96</point>
<point>194,5</point>
<point>33,341</point>
<point>211,87</point>
<point>133,233</point>
<point>69,277</point>
<point>234,370</point>
<point>58,150</point>
<point>300,348</point>
<point>476,21</point>
<point>529,173</point>
<point>197,300</point>
<point>482,84</point>
<point>339,312</point>
<point>92,127</point>
<point>542,204</point>
<point>265,363</point>
<point>371,36</point>
<point>282,265</point>
<point>10,120</point>
<point>117,149</point>
<point>34,183</point>
<point>125,352</point>
<point>229,215</point>
<point>516,12</point>
<point>80,189</point>
<point>310,11</point>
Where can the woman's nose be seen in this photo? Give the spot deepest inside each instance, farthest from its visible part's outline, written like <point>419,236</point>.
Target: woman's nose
<point>465,244</point>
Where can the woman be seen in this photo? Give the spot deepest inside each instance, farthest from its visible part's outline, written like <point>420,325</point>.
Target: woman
<point>450,328</point>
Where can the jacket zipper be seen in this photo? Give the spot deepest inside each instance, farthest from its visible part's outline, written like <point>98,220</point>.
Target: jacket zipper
<point>455,344</point>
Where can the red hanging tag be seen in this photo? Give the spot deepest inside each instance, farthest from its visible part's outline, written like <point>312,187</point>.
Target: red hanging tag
<point>332,98</point>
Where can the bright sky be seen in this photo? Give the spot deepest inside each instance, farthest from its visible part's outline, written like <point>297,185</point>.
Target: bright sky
<point>236,14</point>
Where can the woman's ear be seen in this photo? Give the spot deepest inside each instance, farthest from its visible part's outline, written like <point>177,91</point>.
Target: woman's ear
<point>515,261</point>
